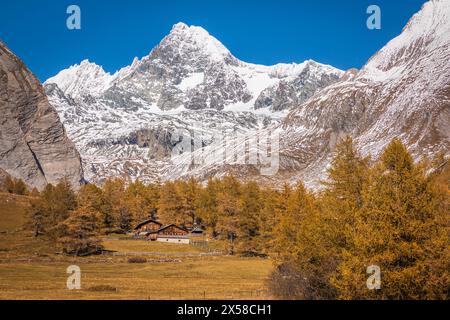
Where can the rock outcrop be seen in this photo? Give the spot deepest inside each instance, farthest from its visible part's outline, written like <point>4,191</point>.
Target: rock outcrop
<point>33,143</point>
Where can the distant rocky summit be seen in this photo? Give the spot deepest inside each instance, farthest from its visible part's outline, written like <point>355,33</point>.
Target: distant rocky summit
<point>191,84</point>
<point>33,142</point>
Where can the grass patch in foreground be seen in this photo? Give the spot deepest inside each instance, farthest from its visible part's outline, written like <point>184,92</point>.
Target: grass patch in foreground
<point>12,211</point>
<point>192,278</point>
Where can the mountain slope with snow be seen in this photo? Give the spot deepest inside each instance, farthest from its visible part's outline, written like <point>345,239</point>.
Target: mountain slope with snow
<point>403,91</point>
<point>143,121</point>
<point>188,83</point>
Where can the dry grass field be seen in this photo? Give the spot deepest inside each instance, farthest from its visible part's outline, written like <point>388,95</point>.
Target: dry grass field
<point>31,269</point>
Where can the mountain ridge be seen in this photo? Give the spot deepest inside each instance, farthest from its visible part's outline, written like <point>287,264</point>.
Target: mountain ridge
<point>189,79</point>
<point>187,50</point>
<point>402,91</point>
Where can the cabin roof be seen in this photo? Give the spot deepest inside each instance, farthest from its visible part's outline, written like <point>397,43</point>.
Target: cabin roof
<point>147,222</point>
<point>172,225</point>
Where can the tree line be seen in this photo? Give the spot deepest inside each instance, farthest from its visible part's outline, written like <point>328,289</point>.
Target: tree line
<point>239,214</point>
<point>15,186</point>
<point>391,213</point>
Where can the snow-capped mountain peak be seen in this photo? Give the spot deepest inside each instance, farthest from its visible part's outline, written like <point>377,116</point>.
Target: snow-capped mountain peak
<point>189,78</point>
<point>192,69</point>
<point>191,46</point>
<point>193,38</point>
<point>81,79</point>
<point>425,33</point>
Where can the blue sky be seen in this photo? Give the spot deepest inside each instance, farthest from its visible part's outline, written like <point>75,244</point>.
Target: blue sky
<point>259,31</point>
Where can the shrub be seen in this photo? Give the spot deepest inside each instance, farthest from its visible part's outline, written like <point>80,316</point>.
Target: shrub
<point>103,288</point>
<point>137,260</point>
<point>286,282</point>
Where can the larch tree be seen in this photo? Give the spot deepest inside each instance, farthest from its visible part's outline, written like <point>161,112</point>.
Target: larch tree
<point>170,204</point>
<point>271,203</point>
<point>8,184</point>
<point>340,204</point>
<point>52,207</point>
<point>287,232</point>
<point>296,251</point>
<point>403,229</point>
<point>92,196</point>
<point>15,186</point>
<point>141,200</point>
<point>249,231</point>
<point>228,211</point>
<point>313,234</point>
<point>188,192</point>
<point>37,217</point>
<point>79,233</point>
<point>207,206</point>
<point>114,194</point>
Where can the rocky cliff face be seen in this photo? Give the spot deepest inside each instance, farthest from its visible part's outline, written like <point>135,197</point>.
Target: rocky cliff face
<point>33,143</point>
<point>289,93</point>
